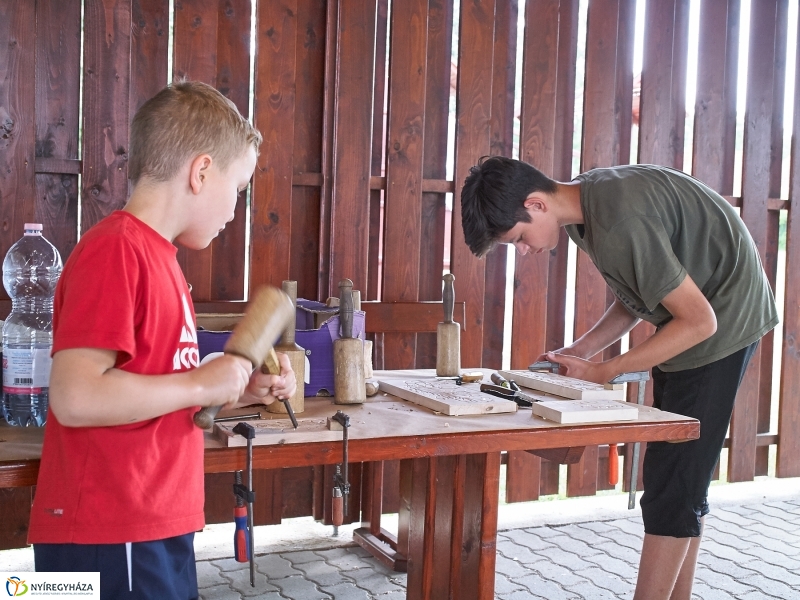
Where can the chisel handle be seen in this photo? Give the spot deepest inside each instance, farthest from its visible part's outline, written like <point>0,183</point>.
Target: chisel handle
<point>346,308</point>
<point>448,296</point>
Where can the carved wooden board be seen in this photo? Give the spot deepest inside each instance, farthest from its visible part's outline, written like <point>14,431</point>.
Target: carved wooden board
<point>277,431</point>
<point>585,411</point>
<point>448,398</point>
<point>560,385</point>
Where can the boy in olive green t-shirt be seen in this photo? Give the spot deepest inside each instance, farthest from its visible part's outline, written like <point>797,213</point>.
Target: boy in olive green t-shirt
<point>677,255</point>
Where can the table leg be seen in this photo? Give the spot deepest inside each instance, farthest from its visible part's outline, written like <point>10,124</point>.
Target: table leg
<point>448,518</point>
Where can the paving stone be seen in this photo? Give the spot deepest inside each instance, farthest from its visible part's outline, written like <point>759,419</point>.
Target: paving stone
<point>555,573</point>
<point>730,539</point>
<point>771,586</point>
<point>229,564</point>
<point>509,567</point>
<point>343,558</point>
<point>503,585</point>
<point>605,580</point>
<point>703,592</point>
<point>723,581</point>
<point>322,573</point>
<point>589,591</point>
<point>347,591</point>
<point>393,596</point>
<point>597,526</point>
<point>275,566</point>
<point>529,538</point>
<point>770,554</point>
<point>723,565</point>
<point>774,533</point>
<point>771,522</point>
<point>543,532</point>
<point>739,510</point>
<point>240,580</point>
<point>374,583</point>
<point>624,539</point>
<point>726,552</point>
<point>581,533</point>
<point>298,588</point>
<point>207,574</point>
<point>629,555</point>
<point>610,564</point>
<point>299,558</point>
<point>220,592</point>
<point>571,561</point>
<point>538,586</point>
<point>729,516</point>
<point>775,572</point>
<point>576,546</point>
<point>520,595</point>
<point>514,551</point>
<point>780,510</point>
<point>635,528</point>
<point>757,595</point>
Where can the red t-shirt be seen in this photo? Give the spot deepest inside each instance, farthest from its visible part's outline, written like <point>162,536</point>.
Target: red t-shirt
<point>122,289</point>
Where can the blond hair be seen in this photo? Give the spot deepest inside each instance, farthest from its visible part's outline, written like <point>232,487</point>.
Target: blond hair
<point>184,120</point>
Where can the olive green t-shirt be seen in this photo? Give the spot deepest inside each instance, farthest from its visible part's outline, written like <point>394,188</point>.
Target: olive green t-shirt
<point>645,227</point>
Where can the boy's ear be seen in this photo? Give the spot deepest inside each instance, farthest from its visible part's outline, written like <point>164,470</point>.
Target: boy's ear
<point>198,171</point>
<point>535,201</point>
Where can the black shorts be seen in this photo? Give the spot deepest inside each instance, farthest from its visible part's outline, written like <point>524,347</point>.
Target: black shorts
<point>163,569</point>
<point>676,476</point>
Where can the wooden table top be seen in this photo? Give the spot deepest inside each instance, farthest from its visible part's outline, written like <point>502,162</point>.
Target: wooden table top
<point>386,428</point>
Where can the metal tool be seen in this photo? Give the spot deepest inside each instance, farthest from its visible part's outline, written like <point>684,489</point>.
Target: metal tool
<point>341,485</point>
<point>522,400</point>
<point>247,494</point>
<point>503,382</point>
<point>253,417</point>
<point>544,365</point>
<point>297,360</point>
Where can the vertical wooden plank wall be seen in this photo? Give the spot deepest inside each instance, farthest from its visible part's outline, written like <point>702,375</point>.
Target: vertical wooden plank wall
<point>327,164</point>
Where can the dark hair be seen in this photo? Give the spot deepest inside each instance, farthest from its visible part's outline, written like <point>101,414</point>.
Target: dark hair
<point>493,199</point>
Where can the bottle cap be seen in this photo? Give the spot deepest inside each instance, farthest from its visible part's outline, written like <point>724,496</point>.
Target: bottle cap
<point>33,228</point>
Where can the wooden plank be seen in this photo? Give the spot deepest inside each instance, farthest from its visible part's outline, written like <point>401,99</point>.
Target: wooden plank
<point>447,398</point>
<point>523,472</point>
<point>473,140</point>
<point>149,50</point>
<point>308,135</point>
<point>17,137</point>
<point>194,53</point>
<point>562,456</point>
<point>606,139</point>
<point>434,167</point>
<point>106,94</point>
<point>355,52</point>
<point>328,121</point>
<point>378,153</point>
<point>715,104</point>
<point>788,451</point>
<point>502,144</point>
<point>404,152</point>
<point>58,33</point>
<point>755,191</point>
<point>16,505</point>
<point>233,80</point>
<point>561,385</point>
<point>584,411</point>
<point>274,108</point>
<point>405,317</point>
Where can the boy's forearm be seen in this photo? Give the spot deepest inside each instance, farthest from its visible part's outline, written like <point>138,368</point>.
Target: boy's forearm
<point>615,323</point>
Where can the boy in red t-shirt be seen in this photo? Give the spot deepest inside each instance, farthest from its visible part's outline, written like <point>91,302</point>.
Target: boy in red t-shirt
<point>120,487</point>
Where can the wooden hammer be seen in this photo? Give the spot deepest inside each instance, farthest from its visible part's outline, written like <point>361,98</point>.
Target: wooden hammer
<point>267,315</point>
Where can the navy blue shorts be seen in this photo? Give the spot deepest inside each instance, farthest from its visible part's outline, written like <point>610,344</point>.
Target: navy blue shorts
<point>163,569</point>
<point>676,476</point>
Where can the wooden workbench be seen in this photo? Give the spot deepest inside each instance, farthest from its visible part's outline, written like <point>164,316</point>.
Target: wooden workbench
<point>449,473</point>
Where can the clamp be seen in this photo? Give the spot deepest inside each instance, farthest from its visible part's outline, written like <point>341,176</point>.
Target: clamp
<point>341,485</point>
<point>246,494</point>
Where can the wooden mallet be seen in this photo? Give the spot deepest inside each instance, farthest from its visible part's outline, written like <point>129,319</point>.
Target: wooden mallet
<point>266,317</point>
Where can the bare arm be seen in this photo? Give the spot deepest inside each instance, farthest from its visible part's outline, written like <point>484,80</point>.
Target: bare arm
<point>87,391</point>
<point>693,321</point>
<point>615,323</point>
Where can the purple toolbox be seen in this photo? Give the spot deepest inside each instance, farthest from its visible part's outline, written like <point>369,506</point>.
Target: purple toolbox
<point>317,342</point>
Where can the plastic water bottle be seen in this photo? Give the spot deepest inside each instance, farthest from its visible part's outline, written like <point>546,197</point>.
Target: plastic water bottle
<point>30,273</point>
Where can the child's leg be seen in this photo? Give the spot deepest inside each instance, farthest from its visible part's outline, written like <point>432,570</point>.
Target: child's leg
<point>677,476</point>
<point>163,569</point>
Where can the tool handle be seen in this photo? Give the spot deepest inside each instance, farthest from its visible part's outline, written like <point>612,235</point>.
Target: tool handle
<point>288,336</point>
<point>241,536</point>
<point>448,296</point>
<point>346,308</point>
<point>613,464</point>
<point>498,379</point>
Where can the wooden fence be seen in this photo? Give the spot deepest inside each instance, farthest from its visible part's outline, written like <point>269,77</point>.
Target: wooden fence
<point>343,186</point>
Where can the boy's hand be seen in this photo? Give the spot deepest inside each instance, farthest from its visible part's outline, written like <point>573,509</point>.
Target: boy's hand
<point>586,370</point>
<point>223,380</point>
<point>265,388</point>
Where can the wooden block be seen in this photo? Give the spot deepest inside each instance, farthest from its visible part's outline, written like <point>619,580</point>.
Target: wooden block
<point>585,411</point>
<point>277,431</point>
<point>448,398</point>
<point>614,386</point>
<point>560,385</point>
